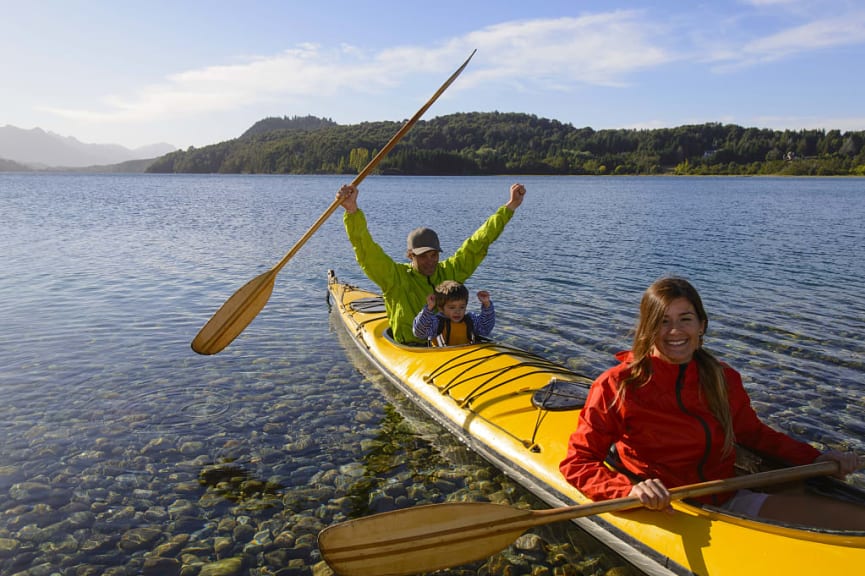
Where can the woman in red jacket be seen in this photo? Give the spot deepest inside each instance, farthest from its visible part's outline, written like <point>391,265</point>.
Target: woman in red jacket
<point>673,412</point>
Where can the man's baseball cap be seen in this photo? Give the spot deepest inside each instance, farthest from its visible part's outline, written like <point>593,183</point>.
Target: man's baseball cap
<point>421,240</point>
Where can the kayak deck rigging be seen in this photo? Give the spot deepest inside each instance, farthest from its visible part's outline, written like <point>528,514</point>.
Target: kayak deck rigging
<point>468,369</point>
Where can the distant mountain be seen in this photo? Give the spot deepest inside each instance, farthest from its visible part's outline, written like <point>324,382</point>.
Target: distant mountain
<point>128,167</point>
<point>39,149</point>
<point>10,166</point>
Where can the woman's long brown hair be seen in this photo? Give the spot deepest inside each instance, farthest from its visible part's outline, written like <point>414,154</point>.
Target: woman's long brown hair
<point>713,385</point>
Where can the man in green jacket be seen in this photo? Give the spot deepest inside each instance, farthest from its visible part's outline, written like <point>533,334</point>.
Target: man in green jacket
<point>405,286</point>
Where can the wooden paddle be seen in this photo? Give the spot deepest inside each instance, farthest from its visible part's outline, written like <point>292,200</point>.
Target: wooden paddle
<point>437,536</point>
<point>243,306</point>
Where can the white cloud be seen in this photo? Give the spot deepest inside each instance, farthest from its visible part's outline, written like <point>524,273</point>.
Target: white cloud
<point>301,71</point>
<point>847,30</point>
<point>601,49</point>
<point>844,30</point>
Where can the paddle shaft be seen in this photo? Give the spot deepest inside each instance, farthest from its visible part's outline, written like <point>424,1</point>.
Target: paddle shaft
<point>451,534</point>
<point>690,491</point>
<point>242,307</point>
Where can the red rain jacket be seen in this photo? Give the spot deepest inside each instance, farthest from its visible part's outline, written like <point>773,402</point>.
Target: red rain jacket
<point>665,430</point>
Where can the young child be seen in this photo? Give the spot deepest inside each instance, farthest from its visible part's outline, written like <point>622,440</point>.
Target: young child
<point>453,325</point>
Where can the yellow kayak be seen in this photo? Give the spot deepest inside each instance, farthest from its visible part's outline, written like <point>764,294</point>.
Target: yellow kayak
<point>517,410</point>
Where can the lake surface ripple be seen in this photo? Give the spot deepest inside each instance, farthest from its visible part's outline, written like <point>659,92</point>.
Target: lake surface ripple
<point>123,452</point>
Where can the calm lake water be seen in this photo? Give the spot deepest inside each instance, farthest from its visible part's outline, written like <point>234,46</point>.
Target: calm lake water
<point>124,452</point>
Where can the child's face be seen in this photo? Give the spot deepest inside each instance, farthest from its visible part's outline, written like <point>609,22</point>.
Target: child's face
<point>455,310</point>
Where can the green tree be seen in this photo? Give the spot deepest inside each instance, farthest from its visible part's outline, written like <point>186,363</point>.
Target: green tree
<point>358,158</point>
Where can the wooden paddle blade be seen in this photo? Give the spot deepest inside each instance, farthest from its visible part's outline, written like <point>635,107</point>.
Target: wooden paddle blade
<point>429,538</point>
<point>235,315</point>
<point>444,535</point>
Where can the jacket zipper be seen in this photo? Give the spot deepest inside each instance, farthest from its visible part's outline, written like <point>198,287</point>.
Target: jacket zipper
<point>680,382</point>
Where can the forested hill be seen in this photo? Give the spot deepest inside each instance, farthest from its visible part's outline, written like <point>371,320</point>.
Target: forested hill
<point>509,143</point>
<point>286,123</point>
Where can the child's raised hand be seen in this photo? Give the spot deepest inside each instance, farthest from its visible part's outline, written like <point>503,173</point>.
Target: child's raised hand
<point>431,302</point>
<point>484,297</point>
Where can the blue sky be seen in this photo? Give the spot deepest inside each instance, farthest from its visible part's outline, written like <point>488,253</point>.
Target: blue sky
<point>196,73</point>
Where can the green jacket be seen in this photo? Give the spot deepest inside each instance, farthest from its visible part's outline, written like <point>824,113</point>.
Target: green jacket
<point>404,289</point>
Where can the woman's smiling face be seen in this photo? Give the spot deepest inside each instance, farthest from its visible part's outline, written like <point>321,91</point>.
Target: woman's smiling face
<point>680,333</point>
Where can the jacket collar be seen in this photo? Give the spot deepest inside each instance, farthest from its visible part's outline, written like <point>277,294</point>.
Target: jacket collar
<point>658,364</point>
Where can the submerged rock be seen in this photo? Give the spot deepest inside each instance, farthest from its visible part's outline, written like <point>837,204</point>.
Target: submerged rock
<point>138,539</point>
<point>227,567</point>
<point>157,566</point>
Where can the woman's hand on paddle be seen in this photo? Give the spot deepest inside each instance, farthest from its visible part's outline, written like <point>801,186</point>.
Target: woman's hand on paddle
<point>518,191</point>
<point>848,461</point>
<point>347,196</point>
<point>652,494</point>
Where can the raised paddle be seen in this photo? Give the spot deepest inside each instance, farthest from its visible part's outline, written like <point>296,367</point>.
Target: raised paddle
<point>437,536</point>
<point>245,304</point>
